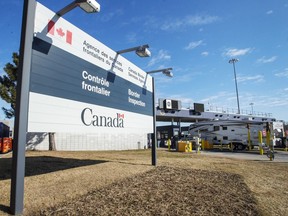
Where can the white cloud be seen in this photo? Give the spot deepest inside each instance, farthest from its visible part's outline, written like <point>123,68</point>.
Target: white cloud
<point>283,74</point>
<point>195,20</point>
<point>205,53</point>
<point>194,44</point>
<point>185,76</point>
<point>269,12</point>
<point>112,15</point>
<point>161,56</point>
<point>233,52</point>
<point>256,78</point>
<point>266,60</point>
<point>131,37</point>
<point>218,96</point>
<point>200,20</point>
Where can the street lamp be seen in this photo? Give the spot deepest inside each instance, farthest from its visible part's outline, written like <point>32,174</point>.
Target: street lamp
<point>167,72</point>
<point>233,61</point>
<point>141,51</point>
<point>89,6</point>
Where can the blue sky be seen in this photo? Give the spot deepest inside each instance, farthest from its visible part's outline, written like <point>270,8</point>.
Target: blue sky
<point>196,39</point>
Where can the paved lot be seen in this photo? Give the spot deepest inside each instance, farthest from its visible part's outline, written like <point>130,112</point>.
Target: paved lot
<point>280,156</point>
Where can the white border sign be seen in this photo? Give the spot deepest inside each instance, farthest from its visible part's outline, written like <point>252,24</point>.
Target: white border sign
<point>80,85</point>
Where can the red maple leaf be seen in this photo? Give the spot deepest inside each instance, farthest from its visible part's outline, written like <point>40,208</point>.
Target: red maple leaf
<point>120,115</point>
<point>60,32</point>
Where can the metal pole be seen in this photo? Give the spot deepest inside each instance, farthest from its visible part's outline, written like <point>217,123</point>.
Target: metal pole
<point>21,111</point>
<point>252,108</point>
<point>154,135</point>
<point>233,62</point>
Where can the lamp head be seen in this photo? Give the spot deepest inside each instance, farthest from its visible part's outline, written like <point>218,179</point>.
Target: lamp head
<point>167,73</point>
<point>143,51</point>
<point>233,60</point>
<point>90,6</point>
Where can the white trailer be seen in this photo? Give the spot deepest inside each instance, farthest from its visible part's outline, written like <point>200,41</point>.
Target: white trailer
<point>233,132</point>
<point>278,133</point>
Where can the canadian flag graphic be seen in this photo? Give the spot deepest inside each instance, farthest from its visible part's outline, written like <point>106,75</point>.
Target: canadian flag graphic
<point>120,115</point>
<point>52,30</point>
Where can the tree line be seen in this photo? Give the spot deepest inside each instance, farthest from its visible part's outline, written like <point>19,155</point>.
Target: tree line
<point>8,84</point>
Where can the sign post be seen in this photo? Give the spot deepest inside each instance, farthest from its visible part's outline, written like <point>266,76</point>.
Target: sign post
<point>21,112</point>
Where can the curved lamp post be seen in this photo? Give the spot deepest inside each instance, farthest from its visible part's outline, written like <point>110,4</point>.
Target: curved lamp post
<point>167,72</point>
<point>141,51</point>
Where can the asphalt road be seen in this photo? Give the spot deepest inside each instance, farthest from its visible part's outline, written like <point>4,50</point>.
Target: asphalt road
<point>280,156</point>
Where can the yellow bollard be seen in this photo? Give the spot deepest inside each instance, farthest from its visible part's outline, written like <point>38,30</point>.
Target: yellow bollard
<point>261,151</point>
<point>260,141</point>
<point>187,146</point>
<point>190,146</point>
<point>203,142</point>
<point>169,144</point>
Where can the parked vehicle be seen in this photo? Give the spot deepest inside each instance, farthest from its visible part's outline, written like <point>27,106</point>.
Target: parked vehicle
<point>235,132</point>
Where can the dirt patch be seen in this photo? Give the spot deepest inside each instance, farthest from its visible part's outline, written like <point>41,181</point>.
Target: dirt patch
<point>73,182</point>
<point>166,191</point>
